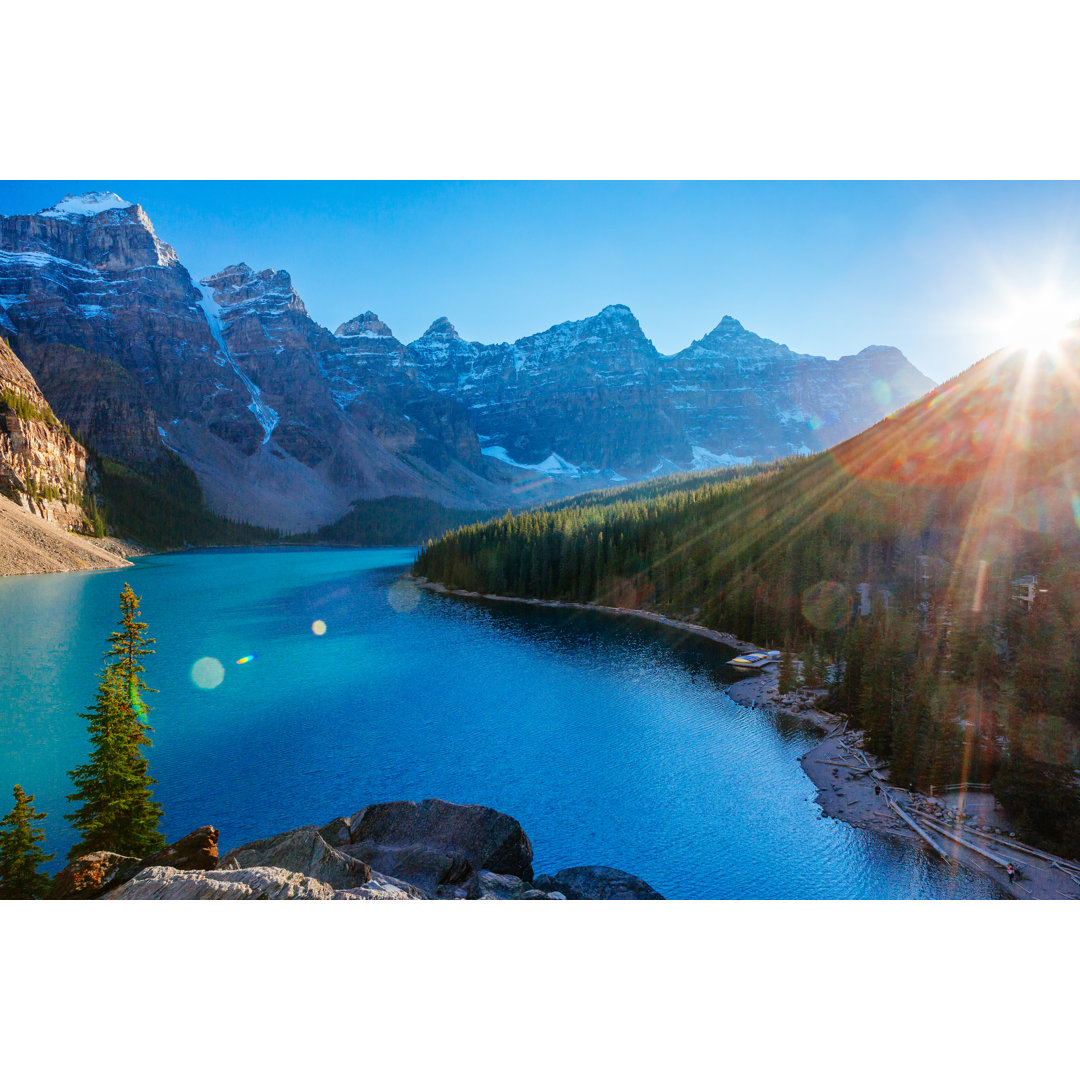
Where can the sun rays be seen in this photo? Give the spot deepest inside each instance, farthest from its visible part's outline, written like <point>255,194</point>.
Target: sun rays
<point>1037,321</point>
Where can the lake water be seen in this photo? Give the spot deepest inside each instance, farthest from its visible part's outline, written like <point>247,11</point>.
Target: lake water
<point>611,740</point>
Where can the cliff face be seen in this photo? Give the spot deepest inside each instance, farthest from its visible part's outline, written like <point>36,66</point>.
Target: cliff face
<point>741,395</point>
<point>112,328</point>
<point>42,467</point>
<point>340,421</point>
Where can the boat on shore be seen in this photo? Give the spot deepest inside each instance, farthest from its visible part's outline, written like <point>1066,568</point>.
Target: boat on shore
<point>756,659</point>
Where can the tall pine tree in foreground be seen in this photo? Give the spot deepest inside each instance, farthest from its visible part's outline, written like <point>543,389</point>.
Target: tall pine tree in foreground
<point>117,813</point>
<point>21,853</point>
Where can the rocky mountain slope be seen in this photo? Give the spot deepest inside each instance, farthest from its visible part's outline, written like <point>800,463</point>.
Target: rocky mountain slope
<point>30,544</point>
<point>42,467</point>
<point>286,424</point>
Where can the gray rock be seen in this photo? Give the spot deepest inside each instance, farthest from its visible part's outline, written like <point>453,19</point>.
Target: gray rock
<point>500,886</point>
<point>253,883</point>
<point>302,851</point>
<point>484,838</point>
<point>598,883</point>
<point>381,887</point>
<point>337,833</point>
<point>427,870</point>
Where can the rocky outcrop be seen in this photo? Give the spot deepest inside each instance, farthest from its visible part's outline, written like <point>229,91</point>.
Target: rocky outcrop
<point>42,466</point>
<point>302,851</point>
<point>196,851</point>
<point>426,850</point>
<point>89,876</point>
<point>254,883</point>
<point>441,843</point>
<point>491,886</point>
<point>597,883</point>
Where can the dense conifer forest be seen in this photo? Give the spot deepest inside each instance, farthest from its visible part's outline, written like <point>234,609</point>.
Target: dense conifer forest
<point>891,566</point>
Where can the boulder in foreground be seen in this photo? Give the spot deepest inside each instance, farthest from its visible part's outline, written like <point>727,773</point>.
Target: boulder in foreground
<point>462,839</point>
<point>302,851</point>
<point>597,883</point>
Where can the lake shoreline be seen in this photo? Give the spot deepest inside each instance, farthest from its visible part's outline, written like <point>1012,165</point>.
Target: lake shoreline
<point>852,785</point>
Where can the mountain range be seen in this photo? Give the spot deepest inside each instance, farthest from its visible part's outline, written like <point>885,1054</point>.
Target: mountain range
<point>286,424</point>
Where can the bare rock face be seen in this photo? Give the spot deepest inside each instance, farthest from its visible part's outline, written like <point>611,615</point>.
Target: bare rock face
<point>597,883</point>
<point>440,840</point>
<point>303,851</point>
<point>89,876</point>
<point>111,326</point>
<point>42,467</point>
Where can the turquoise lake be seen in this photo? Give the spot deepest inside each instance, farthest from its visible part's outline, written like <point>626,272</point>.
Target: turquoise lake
<point>611,740</point>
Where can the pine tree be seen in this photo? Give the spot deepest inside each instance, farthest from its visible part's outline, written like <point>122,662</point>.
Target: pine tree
<point>21,853</point>
<point>117,813</point>
<point>787,681</point>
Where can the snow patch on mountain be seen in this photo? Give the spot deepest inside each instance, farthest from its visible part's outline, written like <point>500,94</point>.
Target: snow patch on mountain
<point>86,205</point>
<point>553,465</point>
<point>706,459</point>
<point>267,417</point>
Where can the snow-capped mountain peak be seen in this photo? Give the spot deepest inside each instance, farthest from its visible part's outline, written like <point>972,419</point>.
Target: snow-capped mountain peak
<point>442,327</point>
<point>367,325</point>
<point>86,205</point>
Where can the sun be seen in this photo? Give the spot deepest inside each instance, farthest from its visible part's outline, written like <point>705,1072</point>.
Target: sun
<point>1037,322</point>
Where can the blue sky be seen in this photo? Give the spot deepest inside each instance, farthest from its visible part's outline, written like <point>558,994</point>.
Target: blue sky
<point>826,268</point>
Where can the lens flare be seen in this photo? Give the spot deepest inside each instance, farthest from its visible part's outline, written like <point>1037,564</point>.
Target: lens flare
<point>136,701</point>
<point>207,673</point>
<point>404,595</point>
<point>246,659</point>
<point>318,628</point>
<point>882,392</point>
<point>827,605</point>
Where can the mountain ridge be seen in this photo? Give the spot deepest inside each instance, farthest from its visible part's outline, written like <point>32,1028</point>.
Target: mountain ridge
<point>287,423</point>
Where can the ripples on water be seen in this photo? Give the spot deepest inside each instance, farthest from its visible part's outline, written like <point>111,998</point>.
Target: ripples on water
<point>611,740</point>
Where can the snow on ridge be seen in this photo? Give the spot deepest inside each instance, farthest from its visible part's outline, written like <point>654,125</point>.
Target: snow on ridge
<point>552,465</point>
<point>706,459</point>
<point>86,205</point>
<point>268,419</point>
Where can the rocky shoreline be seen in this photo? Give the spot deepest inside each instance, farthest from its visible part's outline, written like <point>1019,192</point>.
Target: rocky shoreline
<point>30,544</point>
<point>853,786</point>
<point>431,850</point>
